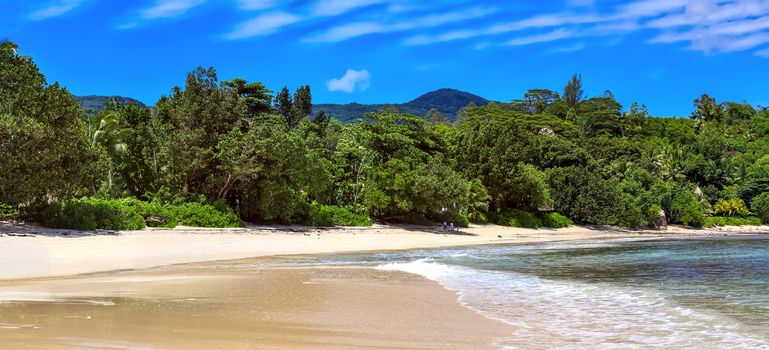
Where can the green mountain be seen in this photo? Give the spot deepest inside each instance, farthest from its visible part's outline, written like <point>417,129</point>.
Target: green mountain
<point>96,103</point>
<point>447,101</point>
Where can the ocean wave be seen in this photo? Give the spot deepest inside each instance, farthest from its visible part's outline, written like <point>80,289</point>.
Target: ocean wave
<point>578,315</point>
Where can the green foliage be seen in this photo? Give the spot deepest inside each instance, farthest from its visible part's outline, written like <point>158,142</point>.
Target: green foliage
<point>44,150</point>
<point>8,212</point>
<point>328,216</point>
<point>232,143</point>
<point>715,221</point>
<point>731,207</point>
<point>93,213</point>
<point>760,206</point>
<point>518,218</point>
<point>686,209</point>
<point>132,214</point>
<point>555,220</point>
<point>204,215</point>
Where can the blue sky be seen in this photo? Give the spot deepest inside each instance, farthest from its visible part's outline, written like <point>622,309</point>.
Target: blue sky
<point>662,53</point>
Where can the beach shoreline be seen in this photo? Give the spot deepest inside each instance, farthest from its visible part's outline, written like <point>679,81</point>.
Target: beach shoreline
<point>28,252</point>
<point>55,274</point>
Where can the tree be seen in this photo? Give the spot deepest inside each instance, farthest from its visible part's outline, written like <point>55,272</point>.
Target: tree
<point>537,100</point>
<point>111,136</point>
<point>44,149</point>
<point>706,110</point>
<point>196,117</point>
<point>434,117</point>
<point>257,98</point>
<point>573,92</point>
<point>302,107</point>
<point>9,46</point>
<point>284,106</point>
<point>760,206</point>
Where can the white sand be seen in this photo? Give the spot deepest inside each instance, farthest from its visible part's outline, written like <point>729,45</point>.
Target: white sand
<point>32,252</point>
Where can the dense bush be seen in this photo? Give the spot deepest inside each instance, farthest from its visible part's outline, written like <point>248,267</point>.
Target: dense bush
<point>133,214</point>
<point>731,207</point>
<point>518,218</point>
<point>329,216</point>
<point>204,215</point>
<point>94,213</point>
<point>555,220</point>
<point>760,206</point>
<point>8,212</point>
<point>731,221</point>
<point>155,214</point>
<point>686,209</point>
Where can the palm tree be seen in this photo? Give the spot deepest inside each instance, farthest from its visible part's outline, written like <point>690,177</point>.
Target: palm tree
<point>478,202</point>
<point>112,137</point>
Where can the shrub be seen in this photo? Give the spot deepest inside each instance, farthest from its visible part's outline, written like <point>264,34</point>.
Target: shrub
<point>156,214</point>
<point>205,215</point>
<point>92,214</point>
<point>518,218</point>
<point>732,221</point>
<point>731,207</point>
<point>686,209</point>
<point>133,214</point>
<point>555,220</point>
<point>320,215</point>
<point>8,212</point>
<point>760,206</point>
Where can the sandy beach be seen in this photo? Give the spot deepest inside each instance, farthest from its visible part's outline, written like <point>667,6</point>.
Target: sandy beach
<point>34,252</point>
<point>192,307</point>
<point>183,288</point>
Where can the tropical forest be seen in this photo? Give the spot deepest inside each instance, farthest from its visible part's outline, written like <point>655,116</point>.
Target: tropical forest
<point>223,153</point>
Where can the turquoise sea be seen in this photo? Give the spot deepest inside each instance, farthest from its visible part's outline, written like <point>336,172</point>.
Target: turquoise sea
<point>652,294</point>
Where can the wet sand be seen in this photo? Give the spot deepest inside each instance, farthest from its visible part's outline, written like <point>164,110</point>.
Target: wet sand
<point>211,306</point>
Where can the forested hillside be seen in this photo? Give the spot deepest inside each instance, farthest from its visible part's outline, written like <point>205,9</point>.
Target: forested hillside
<point>212,150</point>
<point>95,104</point>
<point>447,102</point>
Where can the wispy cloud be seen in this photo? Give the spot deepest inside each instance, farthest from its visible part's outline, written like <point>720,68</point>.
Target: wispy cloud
<point>540,21</point>
<point>353,30</point>
<point>161,9</point>
<point>707,25</point>
<point>263,25</point>
<point>256,5</point>
<point>541,38</point>
<point>169,8</point>
<point>351,81</point>
<point>55,9</point>
<point>338,7</point>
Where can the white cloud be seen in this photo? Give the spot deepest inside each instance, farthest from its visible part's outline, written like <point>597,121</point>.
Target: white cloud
<point>356,29</point>
<point>55,9</point>
<point>169,8</point>
<point>265,24</point>
<point>540,21</point>
<point>707,25</point>
<point>353,80</point>
<point>558,34</point>
<point>255,5</point>
<point>338,7</point>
